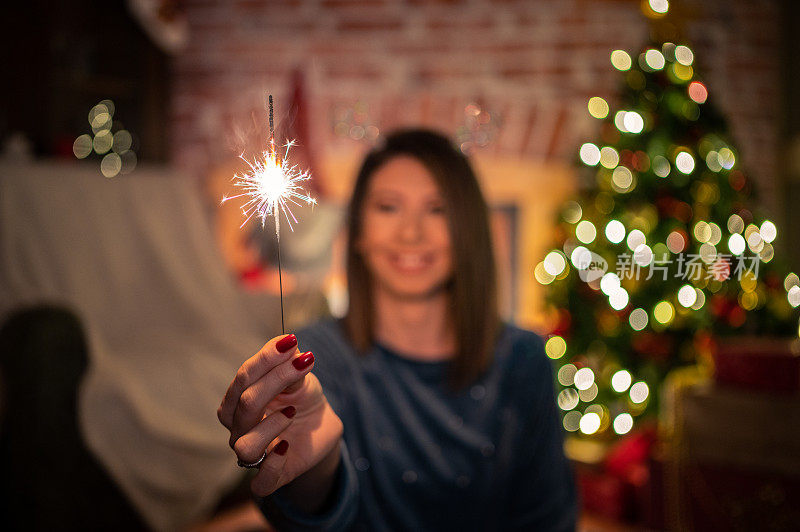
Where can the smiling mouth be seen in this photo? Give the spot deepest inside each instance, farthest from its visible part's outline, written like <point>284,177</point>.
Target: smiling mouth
<point>411,262</point>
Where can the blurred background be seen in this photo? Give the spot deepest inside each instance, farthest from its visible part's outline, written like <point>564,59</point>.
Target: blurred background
<point>129,294</point>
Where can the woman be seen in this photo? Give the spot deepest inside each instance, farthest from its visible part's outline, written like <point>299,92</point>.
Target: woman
<point>422,411</point>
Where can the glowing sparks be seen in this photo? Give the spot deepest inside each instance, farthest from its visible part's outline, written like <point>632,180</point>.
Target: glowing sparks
<point>272,186</point>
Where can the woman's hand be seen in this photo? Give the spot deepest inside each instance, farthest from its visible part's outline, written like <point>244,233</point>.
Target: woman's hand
<point>276,404</point>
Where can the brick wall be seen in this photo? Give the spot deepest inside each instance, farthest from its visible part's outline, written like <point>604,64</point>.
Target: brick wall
<point>533,63</point>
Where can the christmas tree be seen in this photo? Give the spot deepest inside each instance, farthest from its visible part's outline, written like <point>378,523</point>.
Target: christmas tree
<point>662,253</point>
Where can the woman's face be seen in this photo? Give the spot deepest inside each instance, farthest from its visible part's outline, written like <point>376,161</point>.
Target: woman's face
<point>405,241</point>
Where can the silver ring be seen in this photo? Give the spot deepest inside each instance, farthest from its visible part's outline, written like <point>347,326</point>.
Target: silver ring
<point>255,464</point>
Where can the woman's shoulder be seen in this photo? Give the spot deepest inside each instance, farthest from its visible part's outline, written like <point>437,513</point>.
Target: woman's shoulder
<point>326,339</point>
<point>522,344</point>
<point>325,328</point>
<point>522,353</point>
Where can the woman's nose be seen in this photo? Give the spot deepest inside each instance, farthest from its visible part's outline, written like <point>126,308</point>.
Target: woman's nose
<point>411,228</point>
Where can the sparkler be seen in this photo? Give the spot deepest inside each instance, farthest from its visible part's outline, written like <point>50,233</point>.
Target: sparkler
<point>272,185</point>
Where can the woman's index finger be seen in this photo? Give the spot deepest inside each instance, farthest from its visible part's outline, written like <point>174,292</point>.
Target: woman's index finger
<point>276,351</point>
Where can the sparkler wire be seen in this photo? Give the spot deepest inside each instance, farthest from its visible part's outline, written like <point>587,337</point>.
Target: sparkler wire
<point>277,216</point>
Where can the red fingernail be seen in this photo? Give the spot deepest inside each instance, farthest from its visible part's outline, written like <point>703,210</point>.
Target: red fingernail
<point>303,361</point>
<point>289,411</point>
<point>286,343</point>
<point>281,448</point>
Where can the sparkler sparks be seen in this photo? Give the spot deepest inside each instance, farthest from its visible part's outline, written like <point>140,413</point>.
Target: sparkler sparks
<point>272,186</point>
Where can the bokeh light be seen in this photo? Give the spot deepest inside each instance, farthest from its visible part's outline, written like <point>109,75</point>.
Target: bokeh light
<point>110,165</point>
<point>103,142</point>
<point>768,231</point>
<point>700,301</point>
<point>129,161</point>
<point>635,239</point>
<point>712,161</point>
<point>697,92</point>
<point>682,72</point>
<point>572,212</point>
<point>619,121</point>
<point>794,296</point>
<point>621,381</point>
<point>589,394</point>
<point>675,242</point>
<point>684,55</point>
<point>541,275</point>
<point>598,107</point>
<point>623,423</point>
<point>755,242</point>
<point>609,283</point>
<point>664,312</point>
<point>619,299</point>
<point>638,319</point>
<point>687,295</point>
<point>581,257</point>
<point>590,423</point>
<point>661,166</point>
<point>100,116</point>
<point>726,158</point>
<point>122,141</point>
<point>791,280</point>
<point>590,154</point>
<point>643,255</point>
<point>584,378</point>
<point>554,263</point>
<point>707,252</point>
<point>82,146</point>
<point>609,157</point>
<point>735,224</point>
<point>621,60</point>
<point>566,374</point>
<point>586,232</point>
<point>659,6</point>
<point>716,234</point>
<point>684,162</point>
<point>555,347</point>
<point>639,392</point>
<point>568,399</point>
<point>615,231</point>
<point>572,421</point>
<point>633,121</point>
<point>622,179</point>
<point>767,253</point>
<point>654,59</point>
<point>736,244</point>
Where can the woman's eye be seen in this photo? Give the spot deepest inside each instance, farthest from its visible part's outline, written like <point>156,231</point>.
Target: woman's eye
<point>386,207</point>
<point>437,209</point>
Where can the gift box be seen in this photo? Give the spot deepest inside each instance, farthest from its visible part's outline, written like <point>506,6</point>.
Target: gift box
<point>621,482</point>
<point>769,364</point>
<point>604,495</point>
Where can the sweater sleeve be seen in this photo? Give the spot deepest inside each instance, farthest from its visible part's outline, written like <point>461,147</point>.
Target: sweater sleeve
<point>339,516</point>
<point>542,491</point>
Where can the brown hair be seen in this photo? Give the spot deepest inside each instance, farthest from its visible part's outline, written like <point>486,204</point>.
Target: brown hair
<point>473,288</point>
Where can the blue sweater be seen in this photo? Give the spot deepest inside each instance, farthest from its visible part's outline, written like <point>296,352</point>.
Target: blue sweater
<point>418,457</point>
